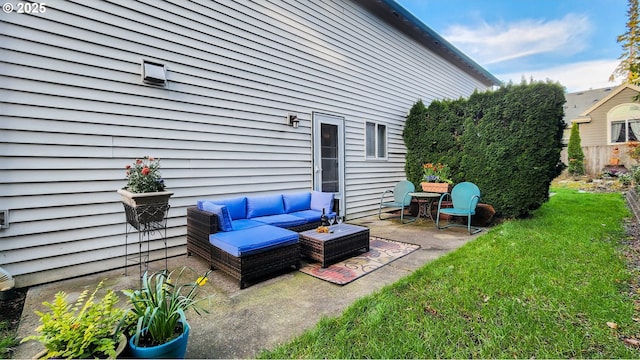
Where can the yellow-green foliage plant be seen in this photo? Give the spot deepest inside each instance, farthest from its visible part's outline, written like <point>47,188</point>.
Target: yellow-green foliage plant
<point>84,329</point>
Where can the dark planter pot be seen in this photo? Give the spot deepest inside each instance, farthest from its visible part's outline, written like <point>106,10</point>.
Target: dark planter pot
<point>174,349</point>
<point>8,294</point>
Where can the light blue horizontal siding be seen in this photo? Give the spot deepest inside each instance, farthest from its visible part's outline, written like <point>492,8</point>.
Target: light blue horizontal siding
<point>73,113</point>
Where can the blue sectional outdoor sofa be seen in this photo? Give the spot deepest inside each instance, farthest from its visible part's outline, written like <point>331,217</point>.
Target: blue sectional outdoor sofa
<point>250,237</point>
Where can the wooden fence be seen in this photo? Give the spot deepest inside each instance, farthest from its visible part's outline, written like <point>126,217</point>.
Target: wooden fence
<point>597,157</point>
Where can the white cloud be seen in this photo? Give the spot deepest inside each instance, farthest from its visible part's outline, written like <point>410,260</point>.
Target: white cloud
<point>495,43</point>
<point>575,77</point>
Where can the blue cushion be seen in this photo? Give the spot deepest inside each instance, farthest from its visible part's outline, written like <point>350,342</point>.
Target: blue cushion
<point>237,206</point>
<point>313,215</point>
<point>264,205</point>
<point>245,224</point>
<point>320,200</point>
<point>296,202</point>
<point>281,220</point>
<point>224,219</point>
<point>253,240</point>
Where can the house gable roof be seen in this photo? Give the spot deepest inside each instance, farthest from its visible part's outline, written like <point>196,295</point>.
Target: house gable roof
<point>586,114</point>
<point>403,19</point>
<point>577,102</point>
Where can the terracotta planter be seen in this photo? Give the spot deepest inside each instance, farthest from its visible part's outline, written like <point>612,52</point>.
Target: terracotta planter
<point>435,187</point>
<point>144,208</point>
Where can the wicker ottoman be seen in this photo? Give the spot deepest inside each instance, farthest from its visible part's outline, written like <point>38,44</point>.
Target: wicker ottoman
<point>329,247</point>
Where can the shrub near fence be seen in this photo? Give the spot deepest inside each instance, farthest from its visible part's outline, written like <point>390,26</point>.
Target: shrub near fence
<point>506,141</point>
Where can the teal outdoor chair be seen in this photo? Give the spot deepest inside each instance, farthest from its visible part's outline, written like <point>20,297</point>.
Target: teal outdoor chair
<point>401,198</point>
<point>465,197</point>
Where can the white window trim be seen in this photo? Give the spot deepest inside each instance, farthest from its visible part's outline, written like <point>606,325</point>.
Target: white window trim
<point>376,141</point>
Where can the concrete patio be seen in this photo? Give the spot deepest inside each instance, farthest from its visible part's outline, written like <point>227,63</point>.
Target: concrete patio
<point>241,323</point>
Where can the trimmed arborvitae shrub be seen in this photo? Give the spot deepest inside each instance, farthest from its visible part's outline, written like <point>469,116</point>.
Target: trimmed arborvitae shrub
<point>512,149</point>
<point>434,136</point>
<point>414,128</point>
<point>507,141</point>
<point>574,152</point>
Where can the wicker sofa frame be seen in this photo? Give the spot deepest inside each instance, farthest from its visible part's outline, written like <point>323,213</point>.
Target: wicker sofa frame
<point>245,269</point>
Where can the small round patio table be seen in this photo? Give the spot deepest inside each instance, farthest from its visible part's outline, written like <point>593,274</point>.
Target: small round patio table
<point>425,202</point>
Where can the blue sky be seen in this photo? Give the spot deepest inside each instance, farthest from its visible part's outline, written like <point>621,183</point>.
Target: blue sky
<point>572,42</point>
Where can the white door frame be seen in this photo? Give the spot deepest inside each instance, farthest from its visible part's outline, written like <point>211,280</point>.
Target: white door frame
<point>318,120</point>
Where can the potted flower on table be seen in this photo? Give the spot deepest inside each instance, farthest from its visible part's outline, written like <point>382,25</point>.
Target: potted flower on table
<point>435,178</point>
<point>145,197</point>
<point>156,321</point>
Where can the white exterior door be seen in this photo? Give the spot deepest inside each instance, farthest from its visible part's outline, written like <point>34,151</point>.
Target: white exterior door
<point>328,155</point>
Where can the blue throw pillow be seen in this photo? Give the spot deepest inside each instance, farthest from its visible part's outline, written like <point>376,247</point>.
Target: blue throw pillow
<point>322,200</point>
<point>224,218</point>
<point>296,202</point>
<point>237,207</point>
<point>264,205</point>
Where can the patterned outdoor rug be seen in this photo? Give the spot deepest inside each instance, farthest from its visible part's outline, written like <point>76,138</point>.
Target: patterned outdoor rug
<point>381,252</point>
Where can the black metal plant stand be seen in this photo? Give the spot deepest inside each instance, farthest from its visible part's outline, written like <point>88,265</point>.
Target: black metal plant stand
<point>150,222</point>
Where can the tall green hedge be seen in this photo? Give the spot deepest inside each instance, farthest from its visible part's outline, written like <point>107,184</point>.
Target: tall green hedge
<point>506,141</point>
<point>436,138</point>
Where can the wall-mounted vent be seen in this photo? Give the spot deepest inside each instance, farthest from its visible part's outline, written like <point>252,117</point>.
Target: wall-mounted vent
<point>153,73</point>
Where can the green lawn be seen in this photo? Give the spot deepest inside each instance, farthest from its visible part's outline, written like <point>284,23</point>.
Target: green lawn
<point>544,287</point>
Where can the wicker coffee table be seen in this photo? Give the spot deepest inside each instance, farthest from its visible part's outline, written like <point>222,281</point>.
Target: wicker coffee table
<point>344,240</point>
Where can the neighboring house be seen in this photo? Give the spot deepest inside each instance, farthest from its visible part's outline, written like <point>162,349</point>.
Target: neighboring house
<point>607,119</point>
<point>210,89</point>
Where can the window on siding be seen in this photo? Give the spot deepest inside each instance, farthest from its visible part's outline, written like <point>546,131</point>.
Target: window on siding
<point>626,130</point>
<point>624,123</point>
<point>375,140</point>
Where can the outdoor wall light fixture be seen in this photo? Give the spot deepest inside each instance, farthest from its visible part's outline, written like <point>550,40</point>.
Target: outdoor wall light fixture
<point>153,73</point>
<point>4,219</point>
<point>293,120</point>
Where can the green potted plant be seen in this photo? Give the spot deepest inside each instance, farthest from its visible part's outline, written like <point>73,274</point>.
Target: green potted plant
<point>435,178</point>
<point>87,328</point>
<point>157,319</point>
